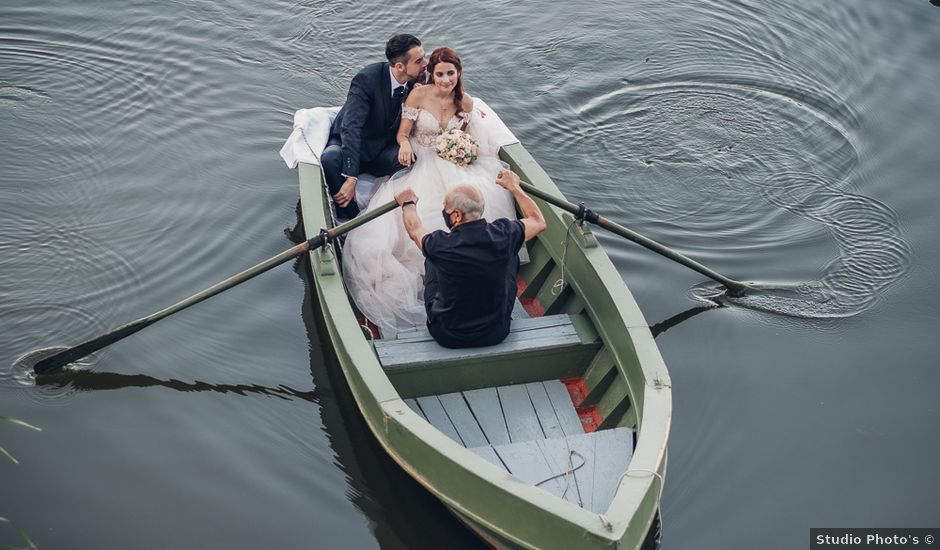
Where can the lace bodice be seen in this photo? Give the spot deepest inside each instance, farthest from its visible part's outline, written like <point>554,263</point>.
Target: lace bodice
<point>427,127</point>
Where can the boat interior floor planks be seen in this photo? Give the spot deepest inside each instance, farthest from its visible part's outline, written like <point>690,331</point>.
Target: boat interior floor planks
<point>484,403</point>
<point>533,432</point>
<point>583,469</point>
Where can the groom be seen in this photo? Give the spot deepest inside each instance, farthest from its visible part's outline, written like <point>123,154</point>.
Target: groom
<point>362,137</point>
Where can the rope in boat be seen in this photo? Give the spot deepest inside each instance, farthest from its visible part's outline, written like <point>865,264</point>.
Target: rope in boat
<point>559,285</point>
<point>658,475</point>
<point>570,470</point>
<point>605,520</point>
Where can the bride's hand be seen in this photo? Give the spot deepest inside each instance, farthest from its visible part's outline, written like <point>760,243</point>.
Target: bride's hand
<point>405,155</point>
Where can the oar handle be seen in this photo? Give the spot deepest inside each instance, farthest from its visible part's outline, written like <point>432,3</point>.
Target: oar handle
<point>69,355</point>
<point>735,288</point>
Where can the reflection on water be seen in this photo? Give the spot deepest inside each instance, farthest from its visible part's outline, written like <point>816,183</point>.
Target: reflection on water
<point>59,386</point>
<point>83,380</point>
<point>663,326</point>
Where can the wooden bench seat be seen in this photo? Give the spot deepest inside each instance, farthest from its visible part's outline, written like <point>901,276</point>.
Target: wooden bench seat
<point>416,346</point>
<point>537,348</point>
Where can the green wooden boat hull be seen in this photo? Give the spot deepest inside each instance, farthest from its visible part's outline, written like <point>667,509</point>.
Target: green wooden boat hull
<point>626,381</point>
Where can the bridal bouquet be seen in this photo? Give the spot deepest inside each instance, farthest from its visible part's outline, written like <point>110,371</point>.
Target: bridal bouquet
<point>457,146</point>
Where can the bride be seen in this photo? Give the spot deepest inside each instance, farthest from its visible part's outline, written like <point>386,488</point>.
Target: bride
<point>383,269</point>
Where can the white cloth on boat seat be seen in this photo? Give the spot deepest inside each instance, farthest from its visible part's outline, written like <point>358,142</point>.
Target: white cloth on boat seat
<point>308,140</point>
<point>309,136</point>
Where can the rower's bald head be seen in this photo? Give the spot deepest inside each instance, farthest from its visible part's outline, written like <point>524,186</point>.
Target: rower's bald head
<point>466,198</point>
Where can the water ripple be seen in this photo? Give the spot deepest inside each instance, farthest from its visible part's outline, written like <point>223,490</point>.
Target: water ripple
<point>705,150</point>
<point>697,146</point>
<point>32,250</point>
<point>13,96</point>
<point>872,252</point>
<point>26,327</point>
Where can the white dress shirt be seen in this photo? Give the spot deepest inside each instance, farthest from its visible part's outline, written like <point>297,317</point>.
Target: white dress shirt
<point>395,83</point>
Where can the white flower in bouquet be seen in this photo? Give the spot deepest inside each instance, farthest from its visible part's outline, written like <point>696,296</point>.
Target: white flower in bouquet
<point>457,146</point>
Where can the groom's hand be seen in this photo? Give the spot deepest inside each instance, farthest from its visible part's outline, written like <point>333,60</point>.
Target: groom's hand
<point>406,195</point>
<point>346,193</point>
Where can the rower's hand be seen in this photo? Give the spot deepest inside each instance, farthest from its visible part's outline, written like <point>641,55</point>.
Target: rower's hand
<point>507,179</point>
<point>346,193</point>
<point>405,195</point>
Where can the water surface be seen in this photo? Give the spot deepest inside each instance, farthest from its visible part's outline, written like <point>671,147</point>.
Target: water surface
<point>791,143</point>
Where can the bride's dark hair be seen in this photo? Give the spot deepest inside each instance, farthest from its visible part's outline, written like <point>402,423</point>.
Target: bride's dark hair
<point>447,55</point>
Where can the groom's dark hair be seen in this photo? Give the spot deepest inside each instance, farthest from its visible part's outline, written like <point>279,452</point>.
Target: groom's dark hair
<point>396,49</point>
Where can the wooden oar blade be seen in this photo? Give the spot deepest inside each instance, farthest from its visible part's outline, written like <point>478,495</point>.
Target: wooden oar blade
<point>59,360</point>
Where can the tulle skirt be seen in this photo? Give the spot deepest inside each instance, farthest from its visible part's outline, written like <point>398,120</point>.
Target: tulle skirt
<point>383,268</point>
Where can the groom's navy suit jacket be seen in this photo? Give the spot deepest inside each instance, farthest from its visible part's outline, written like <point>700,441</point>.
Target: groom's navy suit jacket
<point>369,119</point>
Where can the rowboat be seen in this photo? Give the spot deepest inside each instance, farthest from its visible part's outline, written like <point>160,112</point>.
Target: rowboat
<point>555,438</point>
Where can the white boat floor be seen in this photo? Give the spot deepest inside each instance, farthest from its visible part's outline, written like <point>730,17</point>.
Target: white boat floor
<point>533,432</point>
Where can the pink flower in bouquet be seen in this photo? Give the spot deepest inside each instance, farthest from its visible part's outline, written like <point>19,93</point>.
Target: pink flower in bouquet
<point>457,146</point>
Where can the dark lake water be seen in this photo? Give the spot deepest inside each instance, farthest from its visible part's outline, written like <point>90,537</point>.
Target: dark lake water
<point>791,143</point>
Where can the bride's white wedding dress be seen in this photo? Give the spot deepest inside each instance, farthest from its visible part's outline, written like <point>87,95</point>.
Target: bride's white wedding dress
<point>383,268</point>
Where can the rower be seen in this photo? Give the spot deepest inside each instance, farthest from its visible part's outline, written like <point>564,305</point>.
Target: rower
<point>470,270</point>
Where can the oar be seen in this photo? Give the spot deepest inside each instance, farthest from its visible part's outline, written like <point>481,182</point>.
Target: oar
<point>69,355</point>
<point>735,288</point>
